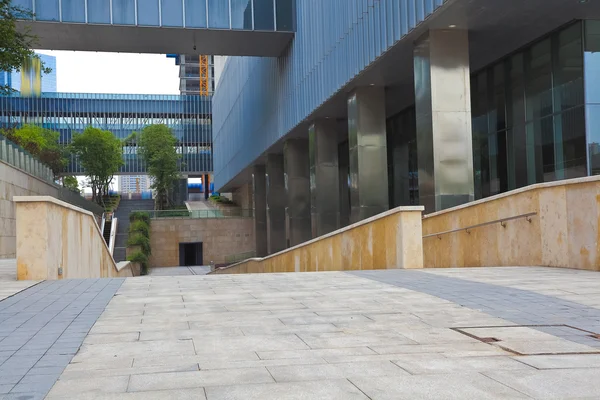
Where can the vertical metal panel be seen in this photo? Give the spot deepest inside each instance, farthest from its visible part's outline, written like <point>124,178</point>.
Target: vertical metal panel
<point>444,137</point>
<point>297,172</point>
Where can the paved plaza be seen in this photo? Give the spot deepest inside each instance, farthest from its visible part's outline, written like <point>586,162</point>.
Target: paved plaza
<point>487,333</point>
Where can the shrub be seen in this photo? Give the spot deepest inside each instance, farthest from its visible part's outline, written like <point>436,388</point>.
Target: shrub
<point>138,239</point>
<point>140,258</point>
<point>139,216</point>
<point>140,227</point>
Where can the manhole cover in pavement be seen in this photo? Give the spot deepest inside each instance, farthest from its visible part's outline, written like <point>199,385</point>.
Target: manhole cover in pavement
<point>536,339</point>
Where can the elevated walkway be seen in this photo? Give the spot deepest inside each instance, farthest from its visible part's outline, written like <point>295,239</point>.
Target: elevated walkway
<point>232,28</point>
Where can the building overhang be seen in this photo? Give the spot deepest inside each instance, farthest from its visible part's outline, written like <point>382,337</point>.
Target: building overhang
<point>156,40</point>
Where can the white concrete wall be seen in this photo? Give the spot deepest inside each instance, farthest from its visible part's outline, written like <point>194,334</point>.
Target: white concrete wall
<point>15,182</point>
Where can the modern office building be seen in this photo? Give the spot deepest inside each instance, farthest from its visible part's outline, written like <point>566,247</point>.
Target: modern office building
<point>134,183</point>
<point>189,118</point>
<point>13,79</point>
<point>196,74</point>
<point>400,102</point>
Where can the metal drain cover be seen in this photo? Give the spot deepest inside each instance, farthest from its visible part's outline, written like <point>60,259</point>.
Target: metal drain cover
<point>536,340</point>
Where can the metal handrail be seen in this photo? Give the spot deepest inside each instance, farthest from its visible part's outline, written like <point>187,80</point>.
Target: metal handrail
<point>501,221</point>
<point>113,236</point>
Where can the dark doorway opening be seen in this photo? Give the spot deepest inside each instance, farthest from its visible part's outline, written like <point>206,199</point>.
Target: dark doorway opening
<point>190,254</point>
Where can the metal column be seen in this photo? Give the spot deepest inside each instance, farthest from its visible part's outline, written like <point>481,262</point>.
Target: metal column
<point>443,107</point>
<point>324,177</point>
<point>276,202</point>
<point>297,171</point>
<point>368,153</point>
<point>260,210</point>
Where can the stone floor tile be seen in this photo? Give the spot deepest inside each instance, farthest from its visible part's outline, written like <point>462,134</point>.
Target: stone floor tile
<point>334,371</point>
<point>183,380</point>
<point>72,388</point>
<point>562,361</point>
<point>318,390</point>
<point>439,364</point>
<point>433,387</point>
<point>552,384</point>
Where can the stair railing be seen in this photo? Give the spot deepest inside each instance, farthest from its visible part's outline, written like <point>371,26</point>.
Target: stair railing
<point>113,235</point>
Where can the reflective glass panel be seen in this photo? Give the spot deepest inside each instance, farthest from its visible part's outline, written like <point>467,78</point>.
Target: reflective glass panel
<point>148,12</point>
<point>99,11</point>
<point>285,15</point>
<point>264,16</point>
<point>592,93</point>
<point>195,13</point>
<point>172,13</point>
<point>218,14</point>
<point>124,12</point>
<point>46,10</point>
<point>241,14</point>
<point>73,10</point>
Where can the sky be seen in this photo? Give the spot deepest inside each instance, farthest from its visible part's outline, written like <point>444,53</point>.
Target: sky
<point>92,72</point>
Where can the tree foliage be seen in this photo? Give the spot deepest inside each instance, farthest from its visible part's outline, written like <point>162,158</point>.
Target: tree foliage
<point>41,143</point>
<point>157,148</point>
<point>15,45</point>
<point>101,155</point>
<point>70,182</point>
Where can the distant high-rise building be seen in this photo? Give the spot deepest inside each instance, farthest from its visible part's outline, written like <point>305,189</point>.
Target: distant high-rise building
<point>13,79</point>
<point>196,73</point>
<point>134,183</point>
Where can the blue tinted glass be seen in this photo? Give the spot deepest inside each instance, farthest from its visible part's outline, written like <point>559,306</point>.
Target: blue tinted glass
<point>25,4</point>
<point>123,12</point>
<point>46,10</point>
<point>195,13</point>
<point>592,76</point>
<point>172,12</point>
<point>73,10</point>
<point>218,14</point>
<point>99,11</point>
<point>148,12</point>
<point>285,15</point>
<point>241,14</point>
<point>264,16</point>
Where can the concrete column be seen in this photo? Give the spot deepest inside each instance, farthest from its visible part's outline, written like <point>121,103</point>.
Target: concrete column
<point>297,171</point>
<point>276,202</point>
<point>443,107</point>
<point>206,180</point>
<point>368,153</point>
<point>344,160</point>
<point>324,177</point>
<point>259,184</point>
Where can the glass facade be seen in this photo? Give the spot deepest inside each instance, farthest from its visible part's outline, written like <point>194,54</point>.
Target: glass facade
<point>260,15</point>
<point>529,115</point>
<point>189,117</point>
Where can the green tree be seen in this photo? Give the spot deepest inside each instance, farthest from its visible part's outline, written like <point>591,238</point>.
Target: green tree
<point>70,182</point>
<point>43,144</point>
<point>157,148</point>
<point>15,44</point>
<point>101,155</point>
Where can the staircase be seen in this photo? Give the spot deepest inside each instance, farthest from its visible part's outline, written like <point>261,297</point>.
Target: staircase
<point>122,214</point>
<point>106,233</point>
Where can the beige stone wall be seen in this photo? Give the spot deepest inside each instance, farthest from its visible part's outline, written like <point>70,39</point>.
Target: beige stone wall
<point>52,234</point>
<point>221,237</point>
<point>242,197</point>
<point>387,241</point>
<point>14,182</point>
<point>564,232</point>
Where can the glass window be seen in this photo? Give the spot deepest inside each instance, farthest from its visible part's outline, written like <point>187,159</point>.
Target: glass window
<point>73,10</point>
<point>172,12</point>
<point>123,12</point>
<point>99,11</point>
<point>46,10</point>
<point>218,14</point>
<point>285,15</point>
<point>264,16</point>
<point>148,12</point>
<point>241,14</point>
<point>195,13</point>
<point>592,93</point>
